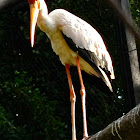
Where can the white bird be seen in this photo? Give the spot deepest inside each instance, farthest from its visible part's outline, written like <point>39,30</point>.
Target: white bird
<point>77,44</point>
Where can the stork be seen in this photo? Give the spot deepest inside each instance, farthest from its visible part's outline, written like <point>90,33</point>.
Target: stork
<point>77,44</point>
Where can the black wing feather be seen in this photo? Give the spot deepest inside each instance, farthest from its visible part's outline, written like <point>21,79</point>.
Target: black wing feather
<point>89,57</point>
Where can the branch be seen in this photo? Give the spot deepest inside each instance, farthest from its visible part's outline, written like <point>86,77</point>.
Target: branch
<point>125,128</point>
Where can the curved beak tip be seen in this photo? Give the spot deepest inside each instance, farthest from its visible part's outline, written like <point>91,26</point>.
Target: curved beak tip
<point>32,45</point>
<point>33,20</point>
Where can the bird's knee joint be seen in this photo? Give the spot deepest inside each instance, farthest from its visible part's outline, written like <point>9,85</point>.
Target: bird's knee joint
<point>83,92</point>
<point>73,98</point>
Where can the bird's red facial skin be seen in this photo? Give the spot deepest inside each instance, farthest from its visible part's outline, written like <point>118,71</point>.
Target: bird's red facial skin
<point>31,1</point>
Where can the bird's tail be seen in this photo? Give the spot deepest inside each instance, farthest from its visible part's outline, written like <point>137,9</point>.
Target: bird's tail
<point>105,79</point>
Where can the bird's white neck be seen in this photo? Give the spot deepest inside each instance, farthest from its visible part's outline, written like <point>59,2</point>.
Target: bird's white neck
<point>44,22</point>
<point>43,7</point>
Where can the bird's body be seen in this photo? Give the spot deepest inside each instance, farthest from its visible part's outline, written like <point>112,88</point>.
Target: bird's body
<point>83,35</point>
<point>76,43</point>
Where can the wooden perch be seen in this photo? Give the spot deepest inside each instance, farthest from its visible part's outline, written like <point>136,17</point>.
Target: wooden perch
<point>125,128</point>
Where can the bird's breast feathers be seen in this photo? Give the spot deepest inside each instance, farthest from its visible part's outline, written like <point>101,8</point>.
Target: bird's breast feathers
<point>68,56</point>
<point>84,36</point>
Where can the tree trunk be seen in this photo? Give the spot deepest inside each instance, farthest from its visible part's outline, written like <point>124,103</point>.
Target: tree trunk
<point>133,57</point>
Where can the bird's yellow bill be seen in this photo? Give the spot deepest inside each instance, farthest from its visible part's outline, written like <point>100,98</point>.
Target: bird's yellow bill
<point>33,20</point>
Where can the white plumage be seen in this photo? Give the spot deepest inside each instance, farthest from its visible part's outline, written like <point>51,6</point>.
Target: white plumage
<point>89,52</point>
<point>82,34</point>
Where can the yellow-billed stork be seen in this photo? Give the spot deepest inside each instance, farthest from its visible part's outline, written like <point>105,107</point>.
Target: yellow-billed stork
<point>77,44</point>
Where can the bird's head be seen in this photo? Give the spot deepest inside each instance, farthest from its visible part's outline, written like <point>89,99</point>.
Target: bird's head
<point>35,7</point>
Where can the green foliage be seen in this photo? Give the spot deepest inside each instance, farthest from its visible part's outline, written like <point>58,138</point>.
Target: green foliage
<point>7,127</point>
<point>135,10</point>
<point>32,113</point>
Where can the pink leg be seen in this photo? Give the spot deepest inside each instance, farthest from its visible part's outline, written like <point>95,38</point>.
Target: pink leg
<point>72,100</point>
<point>83,98</point>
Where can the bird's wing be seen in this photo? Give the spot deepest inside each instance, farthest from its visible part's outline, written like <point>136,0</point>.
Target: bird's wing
<point>87,39</point>
<point>91,59</point>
